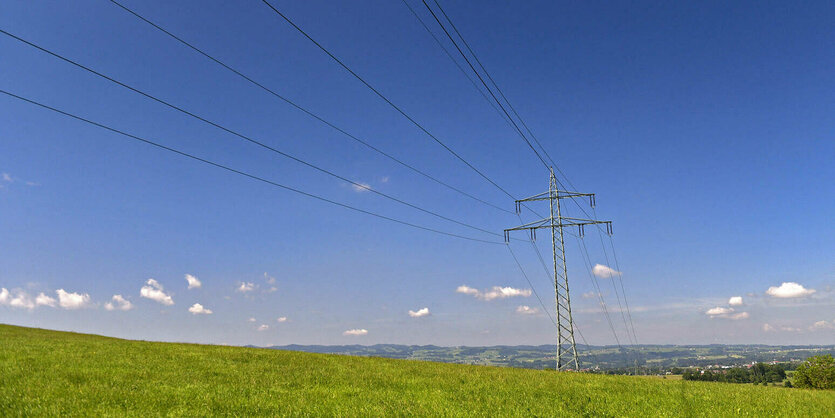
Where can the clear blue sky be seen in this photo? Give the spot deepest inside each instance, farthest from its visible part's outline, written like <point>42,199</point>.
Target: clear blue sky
<point>705,129</point>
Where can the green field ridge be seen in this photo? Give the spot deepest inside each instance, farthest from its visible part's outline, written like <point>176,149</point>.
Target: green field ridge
<point>46,372</point>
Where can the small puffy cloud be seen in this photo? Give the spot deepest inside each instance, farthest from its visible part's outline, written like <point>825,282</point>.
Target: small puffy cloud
<point>69,300</point>
<point>527,310</point>
<point>789,290</point>
<point>263,327</point>
<point>19,300</point>
<point>728,313</point>
<point>735,301</point>
<point>281,319</point>
<point>604,272</point>
<point>356,332</point>
<point>198,309</point>
<point>467,290</point>
<point>118,303</point>
<point>154,291</point>
<point>361,187</point>
<point>496,292</point>
<point>193,282</point>
<point>822,325</point>
<point>737,316</point>
<point>384,179</point>
<point>589,295</point>
<point>419,313</point>
<point>719,311</point>
<point>44,300</point>
<point>768,328</point>
<point>499,292</point>
<point>246,287</point>
<point>251,320</point>
<point>7,177</point>
<point>269,279</point>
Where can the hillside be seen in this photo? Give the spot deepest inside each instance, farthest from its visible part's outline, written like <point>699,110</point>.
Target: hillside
<point>58,373</point>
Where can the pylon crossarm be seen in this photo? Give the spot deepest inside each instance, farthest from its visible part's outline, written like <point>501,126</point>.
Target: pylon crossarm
<point>541,196</point>
<point>542,223</point>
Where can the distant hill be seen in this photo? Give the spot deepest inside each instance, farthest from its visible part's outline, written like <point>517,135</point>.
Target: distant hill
<point>648,359</point>
<point>65,374</point>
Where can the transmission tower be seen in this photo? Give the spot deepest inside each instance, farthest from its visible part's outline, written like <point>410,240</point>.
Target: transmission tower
<point>566,347</point>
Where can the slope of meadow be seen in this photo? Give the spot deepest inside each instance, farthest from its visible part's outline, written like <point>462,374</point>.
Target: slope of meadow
<point>57,373</point>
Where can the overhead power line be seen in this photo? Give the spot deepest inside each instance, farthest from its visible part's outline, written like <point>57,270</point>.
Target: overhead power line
<point>306,111</point>
<point>239,172</point>
<point>633,337</point>
<point>518,130</point>
<point>248,138</point>
<point>454,61</point>
<point>389,102</point>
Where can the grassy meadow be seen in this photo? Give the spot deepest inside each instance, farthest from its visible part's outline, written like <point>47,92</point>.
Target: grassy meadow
<point>58,373</point>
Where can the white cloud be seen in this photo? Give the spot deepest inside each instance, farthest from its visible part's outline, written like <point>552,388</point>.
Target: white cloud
<point>118,303</point>
<point>589,295</point>
<point>361,187</point>
<point>736,316</point>
<point>193,282</point>
<point>527,310</point>
<point>467,290</point>
<point>719,311</point>
<point>768,328</point>
<point>7,177</point>
<point>281,319</point>
<point>604,272</point>
<point>384,179</point>
<point>154,291</point>
<point>246,287</point>
<point>44,300</point>
<point>822,325</point>
<point>68,300</point>
<point>735,301</point>
<point>4,296</point>
<point>789,290</point>
<point>269,279</point>
<point>251,320</point>
<point>419,313</point>
<point>21,300</point>
<point>356,332</point>
<point>263,327</point>
<point>497,292</point>
<point>198,309</point>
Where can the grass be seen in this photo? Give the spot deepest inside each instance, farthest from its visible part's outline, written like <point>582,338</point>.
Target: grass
<point>57,373</point>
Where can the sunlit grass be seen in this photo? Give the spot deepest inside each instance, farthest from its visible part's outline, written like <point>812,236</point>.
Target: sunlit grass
<point>56,373</point>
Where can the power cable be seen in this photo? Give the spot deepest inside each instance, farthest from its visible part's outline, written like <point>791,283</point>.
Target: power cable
<point>390,103</point>
<point>240,172</point>
<point>306,111</point>
<point>247,138</point>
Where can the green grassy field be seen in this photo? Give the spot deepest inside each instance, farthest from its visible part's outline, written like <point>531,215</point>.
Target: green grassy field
<point>58,373</point>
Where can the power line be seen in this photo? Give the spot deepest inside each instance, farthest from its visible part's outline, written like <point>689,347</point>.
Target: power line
<point>306,111</point>
<point>596,286</point>
<point>525,275</point>
<point>530,132</point>
<point>390,103</point>
<point>249,139</point>
<point>518,130</point>
<point>454,61</point>
<point>542,304</point>
<point>614,286</point>
<point>240,172</point>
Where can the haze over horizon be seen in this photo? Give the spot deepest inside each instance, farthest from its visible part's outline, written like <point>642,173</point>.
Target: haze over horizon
<point>704,130</point>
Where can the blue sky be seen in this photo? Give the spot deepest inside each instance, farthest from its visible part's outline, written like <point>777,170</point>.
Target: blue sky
<point>705,130</point>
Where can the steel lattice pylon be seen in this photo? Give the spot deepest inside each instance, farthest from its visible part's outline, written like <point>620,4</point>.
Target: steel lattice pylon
<point>567,357</point>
